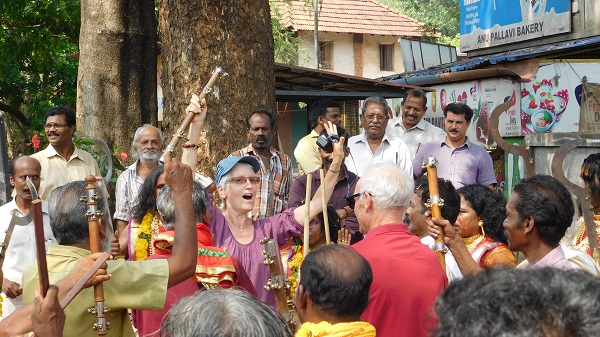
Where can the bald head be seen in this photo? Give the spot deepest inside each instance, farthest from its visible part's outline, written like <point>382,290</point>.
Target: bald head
<point>337,280</point>
<point>19,169</point>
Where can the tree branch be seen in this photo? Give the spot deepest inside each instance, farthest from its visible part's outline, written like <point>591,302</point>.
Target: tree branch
<point>15,113</point>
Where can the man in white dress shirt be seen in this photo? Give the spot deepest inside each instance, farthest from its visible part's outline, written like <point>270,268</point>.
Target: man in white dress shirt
<point>410,125</point>
<point>21,250</point>
<point>375,145</point>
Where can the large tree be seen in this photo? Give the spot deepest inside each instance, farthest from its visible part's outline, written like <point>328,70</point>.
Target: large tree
<point>116,86</point>
<point>199,35</point>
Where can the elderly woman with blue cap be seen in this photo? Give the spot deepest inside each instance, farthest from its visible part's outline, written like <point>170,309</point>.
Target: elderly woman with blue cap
<point>237,184</point>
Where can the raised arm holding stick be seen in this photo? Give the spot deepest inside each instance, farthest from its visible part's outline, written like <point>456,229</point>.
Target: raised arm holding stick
<point>435,203</point>
<point>180,133</point>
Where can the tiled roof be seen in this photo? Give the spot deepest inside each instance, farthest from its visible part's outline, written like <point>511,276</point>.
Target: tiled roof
<point>348,16</point>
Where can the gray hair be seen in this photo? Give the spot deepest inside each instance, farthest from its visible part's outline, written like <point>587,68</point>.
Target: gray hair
<point>134,150</point>
<point>220,312</point>
<point>389,185</point>
<point>166,206</point>
<point>374,99</point>
<point>223,183</point>
<point>67,214</point>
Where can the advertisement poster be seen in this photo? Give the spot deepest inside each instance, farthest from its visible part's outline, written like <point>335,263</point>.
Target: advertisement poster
<point>551,101</point>
<point>487,23</point>
<point>589,120</point>
<point>482,96</point>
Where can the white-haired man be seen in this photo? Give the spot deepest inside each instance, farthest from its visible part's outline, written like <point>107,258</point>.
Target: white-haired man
<point>406,274</point>
<point>146,146</point>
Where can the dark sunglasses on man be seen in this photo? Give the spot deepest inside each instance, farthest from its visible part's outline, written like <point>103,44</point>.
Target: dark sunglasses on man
<point>351,199</point>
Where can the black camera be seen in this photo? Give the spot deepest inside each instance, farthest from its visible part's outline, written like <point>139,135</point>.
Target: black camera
<point>326,143</point>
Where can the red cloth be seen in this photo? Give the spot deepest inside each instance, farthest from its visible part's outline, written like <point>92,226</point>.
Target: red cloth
<point>148,322</point>
<point>407,278</point>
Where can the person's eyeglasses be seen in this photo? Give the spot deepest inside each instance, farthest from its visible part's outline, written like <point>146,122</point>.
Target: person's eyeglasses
<point>56,126</point>
<point>378,117</point>
<point>243,180</point>
<point>351,199</point>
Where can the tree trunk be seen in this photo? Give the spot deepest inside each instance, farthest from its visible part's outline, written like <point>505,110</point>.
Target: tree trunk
<point>116,85</point>
<point>196,37</point>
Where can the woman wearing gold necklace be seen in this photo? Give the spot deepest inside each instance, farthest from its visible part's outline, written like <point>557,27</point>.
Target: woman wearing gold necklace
<point>137,240</point>
<point>477,239</point>
<point>479,223</point>
<point>590,174</point>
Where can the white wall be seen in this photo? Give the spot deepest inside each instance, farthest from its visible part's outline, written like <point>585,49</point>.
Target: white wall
<point>343,53</point>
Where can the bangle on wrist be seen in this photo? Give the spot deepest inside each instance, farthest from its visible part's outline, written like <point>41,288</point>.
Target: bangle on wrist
<point>346,211</point>
<point>333,171</point>
<point>190,146</point>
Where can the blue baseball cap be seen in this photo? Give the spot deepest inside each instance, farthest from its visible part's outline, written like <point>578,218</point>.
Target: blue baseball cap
<point>227,164</point>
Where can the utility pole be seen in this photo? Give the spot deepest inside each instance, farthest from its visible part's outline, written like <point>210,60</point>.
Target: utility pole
<point>316,35</point>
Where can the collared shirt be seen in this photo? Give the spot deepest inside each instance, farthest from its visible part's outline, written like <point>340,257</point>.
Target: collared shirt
<point>407,278</point>
<point>56,171</point>
<point>306,153</point>
<point>452,270</point>
<point>21,250</point>
<point>555,259</point>
<point>465,165</point>
<point>274,183</point>
<point>423,132</point>
<point>127,191</point>
<point>344,187</point>
<point>580,260</point>
<point>391,150</point>
<point>134,285</point>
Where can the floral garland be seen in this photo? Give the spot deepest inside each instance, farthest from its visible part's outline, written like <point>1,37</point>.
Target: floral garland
<point>144,237</point>
<point>295,260</point>
<point>1,300</point>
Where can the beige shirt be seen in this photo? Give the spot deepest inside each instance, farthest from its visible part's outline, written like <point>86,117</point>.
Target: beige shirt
<point>306,153</point>
<point>56,171</point>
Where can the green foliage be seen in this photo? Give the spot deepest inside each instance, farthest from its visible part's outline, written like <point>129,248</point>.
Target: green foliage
<point>87,144</point>
<point>285,42</point>
<point>437,16</point>
<point>37,42</point>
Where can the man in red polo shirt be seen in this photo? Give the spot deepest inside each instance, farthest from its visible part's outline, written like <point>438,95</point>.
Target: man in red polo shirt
<point>406,274</point>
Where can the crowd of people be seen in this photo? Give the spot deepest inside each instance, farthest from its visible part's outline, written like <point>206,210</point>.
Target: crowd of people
<point>182,265</point>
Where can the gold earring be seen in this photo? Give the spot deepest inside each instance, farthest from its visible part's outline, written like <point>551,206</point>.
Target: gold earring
<point>481,226</point>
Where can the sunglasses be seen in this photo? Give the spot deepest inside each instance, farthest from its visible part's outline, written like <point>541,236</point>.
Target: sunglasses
<point>351,199</point>
<point>243,180</point>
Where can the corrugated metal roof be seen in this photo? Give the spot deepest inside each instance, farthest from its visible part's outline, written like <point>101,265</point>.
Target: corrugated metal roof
<point>294,83</point>
<point>547,50</point>
<point>348,16</point>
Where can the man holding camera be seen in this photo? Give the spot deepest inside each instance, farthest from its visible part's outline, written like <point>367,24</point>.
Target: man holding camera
<point>344,187</point>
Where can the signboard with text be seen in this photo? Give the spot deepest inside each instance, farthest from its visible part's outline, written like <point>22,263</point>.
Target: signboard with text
<point>488,23</point>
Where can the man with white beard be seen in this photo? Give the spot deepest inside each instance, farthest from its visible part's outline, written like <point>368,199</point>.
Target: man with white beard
<point>146,146</point>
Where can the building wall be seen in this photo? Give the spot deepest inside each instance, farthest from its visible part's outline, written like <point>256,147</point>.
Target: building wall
<point>343,53</point>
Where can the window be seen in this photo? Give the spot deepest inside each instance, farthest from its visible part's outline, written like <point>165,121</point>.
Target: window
<point>386,57</point>
<point>326,54</point>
